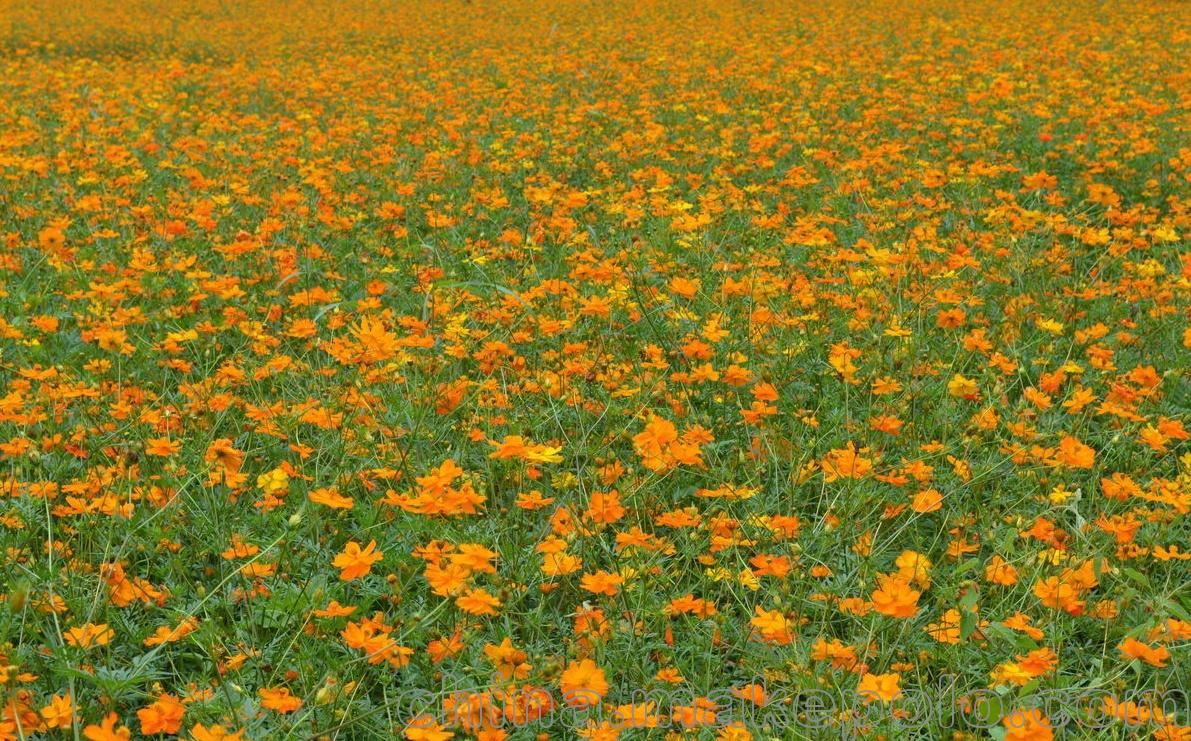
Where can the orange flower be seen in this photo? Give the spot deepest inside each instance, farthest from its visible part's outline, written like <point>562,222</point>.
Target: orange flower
<point>51,239</point>
<point>583,683</point>
<point>166,634</point>
<point>754,693</point>
<point>533,500</point>
<point>915,567</point>
<point>605,507</point>
<point>560,564</point>
<point>1132,648</point>
<point>601,582</point>
<point>661,449</point>
<point>845,463</point>
<point>330,497</point>
<point>1058,594</point>
<point>927,500</point>
<point>840,656</point>
<point>657,434</point>
<point>279,699</point>
<point>1027,725</point>
<point>375,343</point>
<point>477,602</point>
<point>89,635</point>
<point>772,626</point>
<point>214,733</point>
<point>222,453</point>
<point>163,716</point>
<point>107,730</point>
<point>999,572</point>
<point>513,446</point>
<point>355,562</point>
<point>59,713</point>
<point>334,610</point>
<point>474,557</point>
<point>1038,662</point>
<point>1074,453</point>
<point>882,687</point>
<point>162,446</point>
<point>895,597</point>
<point>448,580</point>
<point>423,728</point>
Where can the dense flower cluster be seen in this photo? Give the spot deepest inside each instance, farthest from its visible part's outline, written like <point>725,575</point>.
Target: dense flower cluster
<point>556,350</point>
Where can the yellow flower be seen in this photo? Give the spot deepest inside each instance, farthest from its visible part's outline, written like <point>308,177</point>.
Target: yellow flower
<point>964,388</point>
<point>273,482</point>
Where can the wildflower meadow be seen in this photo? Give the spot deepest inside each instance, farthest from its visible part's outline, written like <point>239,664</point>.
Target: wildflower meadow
<point>554,369</point>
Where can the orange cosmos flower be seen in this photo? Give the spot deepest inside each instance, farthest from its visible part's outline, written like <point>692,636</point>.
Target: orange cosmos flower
<point>222,453</point>
<point>166,634</point>
<point>513,446</point>
<point>927,500</point>
<point>651,443</point>
<point>51,238</point>
<point>605,507</point>
<point>201,732</point>
<point>601,582</point>
<point>845,463</point>
<point>1058,594</point>
<point>474,557</point>
<point>89,635</point>
<point>895,597</point>
<point>998,571</point>
<point>59,713</point>
<point>583,683</point>
<point>334,610</point>
<point>477,602</point>
<point>330,497</point>
<point>1027,725</point>
<point>772,626</point>
<point>1074,453</point>
<point>423,728</point>
<point>162,446</point>
<point>1132,648</point>
<point>533,500</point>
<point>879,687</point>
<point>279,699</point>
<point>107,730</point>
<point>163,716</point>
<point>355,562</point>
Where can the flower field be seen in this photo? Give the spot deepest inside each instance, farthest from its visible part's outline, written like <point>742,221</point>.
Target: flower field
<point>437,369</point>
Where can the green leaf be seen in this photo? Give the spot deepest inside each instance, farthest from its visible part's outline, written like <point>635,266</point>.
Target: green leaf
<point>989,709</point>
<point>1137,577</point>
<point>968,620</point>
